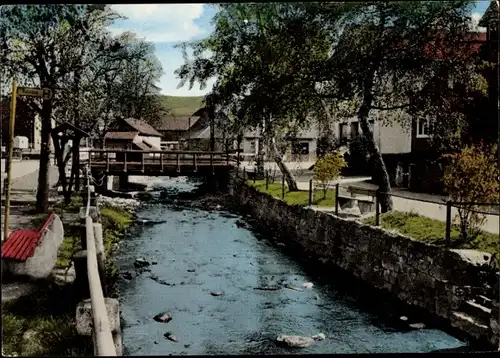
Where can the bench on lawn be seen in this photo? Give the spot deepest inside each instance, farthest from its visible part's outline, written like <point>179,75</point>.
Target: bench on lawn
<point>363,198</point>
<point>33,253</point>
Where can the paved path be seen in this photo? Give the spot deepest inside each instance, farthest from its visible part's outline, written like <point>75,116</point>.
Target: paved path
<point>433,207</point>
<point>25,174</point>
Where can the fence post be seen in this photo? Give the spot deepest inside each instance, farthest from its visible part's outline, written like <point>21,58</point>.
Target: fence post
<point>337,199</point>
<point>377,208</point>
<point>310,191</point>
<point>448,223</point>
<point>267,179</point>
<point>244,173</point>
<point>283,187</point>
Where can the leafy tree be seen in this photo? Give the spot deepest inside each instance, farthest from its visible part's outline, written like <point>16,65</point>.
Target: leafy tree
<point>68,49</point>
<point>257,51</point>
<point>472,176</point>
<point>328,168</point>
<point>385,54</point>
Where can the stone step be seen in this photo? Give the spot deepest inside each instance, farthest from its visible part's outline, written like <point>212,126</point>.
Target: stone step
<point>476,310</point>
<point>484,301</point>
<point>475,327</point>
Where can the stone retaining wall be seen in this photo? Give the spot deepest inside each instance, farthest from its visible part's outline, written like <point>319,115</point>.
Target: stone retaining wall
<point>427,276</point>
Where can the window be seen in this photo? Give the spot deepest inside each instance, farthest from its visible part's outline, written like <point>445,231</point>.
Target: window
<point>253,146</point>
<point>354,129</point>
<point>300,148</point>
<point>343,133</point>
<point>423,128</point>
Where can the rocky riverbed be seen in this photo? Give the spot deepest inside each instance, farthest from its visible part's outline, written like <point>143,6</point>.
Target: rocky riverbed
<point>196,278</point>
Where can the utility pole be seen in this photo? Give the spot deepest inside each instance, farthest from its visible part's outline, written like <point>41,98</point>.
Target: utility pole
<point>12,123</point>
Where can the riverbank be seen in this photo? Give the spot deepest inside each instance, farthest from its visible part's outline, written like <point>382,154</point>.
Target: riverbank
<point>42,322</point>
<point>429,278</point>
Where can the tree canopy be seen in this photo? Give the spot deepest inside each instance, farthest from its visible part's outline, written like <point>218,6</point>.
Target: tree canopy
<point>289,63</point>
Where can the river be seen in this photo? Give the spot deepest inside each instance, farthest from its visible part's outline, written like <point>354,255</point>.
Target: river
<point>207,268</point>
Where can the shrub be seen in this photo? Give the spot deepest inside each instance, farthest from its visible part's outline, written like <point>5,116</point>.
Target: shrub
<point>472,177</point>
<point>328,168</point>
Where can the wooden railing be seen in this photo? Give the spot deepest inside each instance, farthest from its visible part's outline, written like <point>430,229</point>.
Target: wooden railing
<point>103,339</point>
<point>118,159</point>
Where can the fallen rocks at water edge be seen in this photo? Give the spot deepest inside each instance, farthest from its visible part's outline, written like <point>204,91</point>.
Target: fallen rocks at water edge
<point>417,325</point>
<point>308,285</point>
<point>216,294</point>
<point>163,317</point>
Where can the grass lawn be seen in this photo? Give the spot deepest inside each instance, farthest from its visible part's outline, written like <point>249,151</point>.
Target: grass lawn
<point>433,231</point>
<point>182,106</point>
<point>296,197</point>
<point>43,323</point>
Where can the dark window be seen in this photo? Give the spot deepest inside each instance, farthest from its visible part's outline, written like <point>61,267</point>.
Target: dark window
<point>301,148</point>
<point>343,133</point>
<point>354,129</point>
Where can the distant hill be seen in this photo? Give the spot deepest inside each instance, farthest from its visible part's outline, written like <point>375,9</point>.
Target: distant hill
<point>182,106</point>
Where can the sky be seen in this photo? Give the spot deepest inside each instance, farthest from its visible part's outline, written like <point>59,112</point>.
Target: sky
<point>167,25</point>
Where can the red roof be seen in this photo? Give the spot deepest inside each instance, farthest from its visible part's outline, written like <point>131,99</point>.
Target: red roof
<point>21,244</point>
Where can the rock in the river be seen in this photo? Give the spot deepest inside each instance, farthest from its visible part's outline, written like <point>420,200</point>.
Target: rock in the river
<point>291,287</point>
<point>308,285</point>
<point>171,337</point>
<point>127,275</point>
<point>215,294</point>
<point>319,337</point>
<point>163,317</point>
<point>154,263</point>
<point>295,341</point>
<point>417,325</point>
<point>191,270</point>
<point>403,318</point>
<point>140,262</point>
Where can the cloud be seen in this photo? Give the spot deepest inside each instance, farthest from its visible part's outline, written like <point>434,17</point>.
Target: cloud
<point>475,17</point>
<point>160,22</point>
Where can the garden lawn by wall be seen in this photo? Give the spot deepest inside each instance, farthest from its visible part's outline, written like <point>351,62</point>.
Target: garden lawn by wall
<point>435,279</point>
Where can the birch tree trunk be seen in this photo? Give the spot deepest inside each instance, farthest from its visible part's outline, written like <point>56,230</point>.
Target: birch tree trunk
<point>381,174</point>
<point>278,158</point>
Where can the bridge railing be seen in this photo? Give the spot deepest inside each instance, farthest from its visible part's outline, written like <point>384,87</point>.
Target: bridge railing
<point>158,158</point>
<point>103,339</point>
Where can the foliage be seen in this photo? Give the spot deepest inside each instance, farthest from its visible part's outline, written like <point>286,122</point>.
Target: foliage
<point>472,177</point>
<point>95,78</point>
<point>296,197</point>
<point>432,231</point>
<point>328,168</point>
<point>357,156</point>
<point>115,218</point>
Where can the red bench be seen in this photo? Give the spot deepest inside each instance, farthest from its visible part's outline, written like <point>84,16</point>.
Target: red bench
<point>21,244</point>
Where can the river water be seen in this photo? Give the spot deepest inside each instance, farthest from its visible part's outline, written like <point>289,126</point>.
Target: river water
<point>197,253</point>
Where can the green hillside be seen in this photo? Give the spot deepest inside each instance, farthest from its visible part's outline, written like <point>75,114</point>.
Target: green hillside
<point>182,106</point>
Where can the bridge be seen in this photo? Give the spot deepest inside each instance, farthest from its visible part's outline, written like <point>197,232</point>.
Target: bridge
<point>160,163</point>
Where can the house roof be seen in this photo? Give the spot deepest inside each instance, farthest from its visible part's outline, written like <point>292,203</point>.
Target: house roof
<point>142,127</point>
<point>490,15</point>
<point>176,123</point>
<point>121,135</point>
<point>21,244</point>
